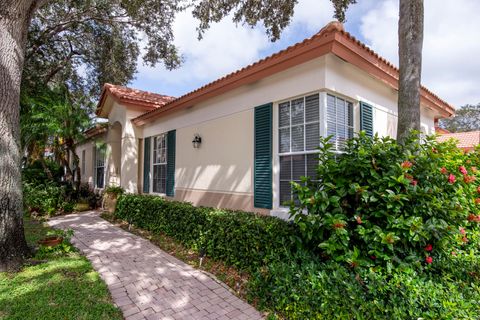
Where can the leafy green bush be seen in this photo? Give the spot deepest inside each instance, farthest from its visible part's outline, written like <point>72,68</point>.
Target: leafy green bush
<point>245,240</point>
<point>114,190</point>
<point>43,198</point>
<point>303,287</point>
<point>87,194</point>
<point>382,203</point>
<point>35,172</point>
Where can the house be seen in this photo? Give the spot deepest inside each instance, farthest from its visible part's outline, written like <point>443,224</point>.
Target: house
<point>466,141</point>
<point>238,142</point>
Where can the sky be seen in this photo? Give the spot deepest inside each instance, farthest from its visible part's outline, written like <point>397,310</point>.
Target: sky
<point>451,66</point>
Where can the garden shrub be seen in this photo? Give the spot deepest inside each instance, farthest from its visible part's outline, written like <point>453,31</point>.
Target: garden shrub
<point>303,287</point>
<point>382,203</point>
<point>47,198</point>
<point>114,190</point>
<point>242,239</point>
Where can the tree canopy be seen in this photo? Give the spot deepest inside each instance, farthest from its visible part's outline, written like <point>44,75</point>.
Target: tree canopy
<point>467,118</point>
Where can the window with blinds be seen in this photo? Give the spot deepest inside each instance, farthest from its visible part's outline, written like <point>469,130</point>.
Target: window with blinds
<point>100,167</point>
<point>299,133</point>
<point>159,163</point>
<point>299,125</point>
<point>339,121</point>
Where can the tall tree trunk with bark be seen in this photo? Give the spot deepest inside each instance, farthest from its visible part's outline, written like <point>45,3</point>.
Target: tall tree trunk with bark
<point>76,164</point>
<point>15,17</point>
<point>410,42</point>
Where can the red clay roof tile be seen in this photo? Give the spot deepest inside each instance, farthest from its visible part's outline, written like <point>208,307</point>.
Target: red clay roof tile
<point>465,140</point>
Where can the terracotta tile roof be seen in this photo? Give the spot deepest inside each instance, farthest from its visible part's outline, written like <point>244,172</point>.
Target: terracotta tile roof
<point>330,39</point>
<point>94,131</point>
<point>441,130</point>
<point>466,140</point>
<point>144,99</point>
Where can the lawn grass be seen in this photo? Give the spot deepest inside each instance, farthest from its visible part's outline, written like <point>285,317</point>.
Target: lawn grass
<point>63,287</point>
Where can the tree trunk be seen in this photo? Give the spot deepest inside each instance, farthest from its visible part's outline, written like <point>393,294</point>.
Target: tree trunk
<point>410,42</point>
<point>45,167</point>
<point>14,20</point>
<point>70,148</point>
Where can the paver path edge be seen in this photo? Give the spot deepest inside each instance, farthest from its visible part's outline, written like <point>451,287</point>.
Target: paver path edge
<point>147,283</point>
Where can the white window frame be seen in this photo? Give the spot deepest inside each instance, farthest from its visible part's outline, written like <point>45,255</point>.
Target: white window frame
<point>83,162</point>
<point>282,211</point>
<point>305,123</point>
<point>152,164</point>
<point>96,166</point>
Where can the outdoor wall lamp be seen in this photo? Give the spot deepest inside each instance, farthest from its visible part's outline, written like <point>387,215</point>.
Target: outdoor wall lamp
<point>197,140</point>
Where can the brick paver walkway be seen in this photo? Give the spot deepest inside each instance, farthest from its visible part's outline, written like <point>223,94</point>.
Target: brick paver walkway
<point>147,283</point>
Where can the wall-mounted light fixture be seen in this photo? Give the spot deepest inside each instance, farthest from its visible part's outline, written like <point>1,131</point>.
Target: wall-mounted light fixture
<point>197,140</point>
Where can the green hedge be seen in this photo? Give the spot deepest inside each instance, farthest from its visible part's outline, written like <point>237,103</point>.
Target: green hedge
<point>303,287</point>
<point>242,239</point>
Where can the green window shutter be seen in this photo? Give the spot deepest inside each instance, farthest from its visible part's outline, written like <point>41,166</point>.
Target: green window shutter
<point>146,165</point>
<point>171,139</point>
<point>366,118</point>
<point>262,192</point>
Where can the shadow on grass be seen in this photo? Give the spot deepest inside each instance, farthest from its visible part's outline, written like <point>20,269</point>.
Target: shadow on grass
<point>64,288</point>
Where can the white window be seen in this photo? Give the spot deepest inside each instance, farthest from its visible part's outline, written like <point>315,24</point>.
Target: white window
<point>83,162</point>
<point>159,164</point>
<point>299,131</point>
<point>339,121</point>
<point>99,167</point>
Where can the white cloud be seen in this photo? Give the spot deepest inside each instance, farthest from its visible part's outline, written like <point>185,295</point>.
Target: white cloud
<point>451,67</point>
<point>225,47</point>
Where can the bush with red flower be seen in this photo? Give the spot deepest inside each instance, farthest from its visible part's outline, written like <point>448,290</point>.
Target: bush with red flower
<point>408,198</point>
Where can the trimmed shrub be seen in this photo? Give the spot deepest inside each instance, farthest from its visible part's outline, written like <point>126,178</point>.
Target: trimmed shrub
<point>303,287</point>
<point>245,240</point>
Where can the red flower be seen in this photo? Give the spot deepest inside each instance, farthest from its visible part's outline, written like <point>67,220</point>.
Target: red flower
<point>471,217</point>
<point>474,169</point>
<point>373,257</point>
<point>477,201</point>
<point>454,253</point>
<point>413,182</point>
<point>408,176</point>
<point>462,170</point>
<point>468,179</point>
<point>359,219</point>
<point>339,225</point>
<point>429,247</point>
<point>428,260</point>
<point>406,164</point>
<point>451,178</point>
<point>478,189</point>
<point>443,170</point>
<point>462,230</point>
<point>464,239</point>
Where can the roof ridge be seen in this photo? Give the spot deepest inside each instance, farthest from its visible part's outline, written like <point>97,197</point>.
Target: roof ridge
<point>331,27</point>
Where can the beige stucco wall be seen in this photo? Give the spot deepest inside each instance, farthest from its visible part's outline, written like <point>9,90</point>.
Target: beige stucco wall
<point>223,164</point>
<point>347,79</point>
<point>122,148</point>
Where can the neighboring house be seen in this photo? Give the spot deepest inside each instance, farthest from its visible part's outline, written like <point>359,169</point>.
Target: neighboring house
<point>466,141</point>
<point>239,141</point>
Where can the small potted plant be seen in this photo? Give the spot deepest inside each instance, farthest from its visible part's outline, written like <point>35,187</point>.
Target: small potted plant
<point>53,238</point>
<point>110,197</point>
